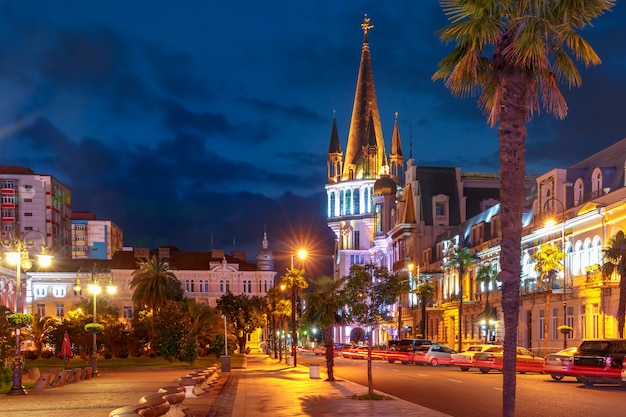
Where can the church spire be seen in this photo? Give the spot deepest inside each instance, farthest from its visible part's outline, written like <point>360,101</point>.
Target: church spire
<point>365,117</point>
<point>396,158</point>
<point>335,156</point>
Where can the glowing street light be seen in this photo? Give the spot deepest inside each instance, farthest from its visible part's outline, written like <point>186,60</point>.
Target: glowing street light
<point>95,277</point>
<point>18,255</point>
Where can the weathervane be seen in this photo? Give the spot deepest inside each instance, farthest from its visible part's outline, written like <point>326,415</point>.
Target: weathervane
<point>366,24</point>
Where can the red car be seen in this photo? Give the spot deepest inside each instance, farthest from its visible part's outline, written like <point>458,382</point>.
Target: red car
<point>526,361</point>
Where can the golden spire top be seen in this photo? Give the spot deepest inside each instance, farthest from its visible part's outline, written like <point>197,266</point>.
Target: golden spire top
<point>366,24</point>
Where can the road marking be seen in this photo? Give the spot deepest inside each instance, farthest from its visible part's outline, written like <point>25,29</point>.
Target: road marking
<point>455,380</point>
<point>422,375</point>
<point>498,388</point>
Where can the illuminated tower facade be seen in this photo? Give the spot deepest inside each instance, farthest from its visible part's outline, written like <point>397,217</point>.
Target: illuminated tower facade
<point>354,213</point>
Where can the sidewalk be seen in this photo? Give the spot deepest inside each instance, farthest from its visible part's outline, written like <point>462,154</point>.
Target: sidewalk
<point>264,388</point>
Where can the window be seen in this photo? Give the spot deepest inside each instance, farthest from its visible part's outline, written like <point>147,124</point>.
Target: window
<point>127,312</point>
<point>59,291</point>
<point>221,286</point>
<point>265,285</point>
<point>227,286</point>
<point>60,310</point>
<point>40,291</point>
<point>348,201</point>
<point>541,324</point>
<point>244,286</point>
<point>332,205</point>
<point>250,287</point>
<point>41,309</point>
<point>579,191</point>
<point>8,184</point>
<point>440,209</point>
<point>356,196</point>
<point>357,239</point>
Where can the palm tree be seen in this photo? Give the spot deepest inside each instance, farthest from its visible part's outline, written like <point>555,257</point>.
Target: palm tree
<point>323,307</point>
<point>425,291</point>
<point>487,274</point>
<point>153,283</point>
<point>548,260</point>
<point>41,329</point>
<point>283,310</point>
<point>515,52</point>
<point>273,298</point>
<point>614,257</point>
<point>461,259</point>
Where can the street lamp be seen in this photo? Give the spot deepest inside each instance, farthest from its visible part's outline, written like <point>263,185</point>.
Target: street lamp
<point>302,253</point>
<point>17,255</point>
<point>95,277</point>
<point>552,222</point>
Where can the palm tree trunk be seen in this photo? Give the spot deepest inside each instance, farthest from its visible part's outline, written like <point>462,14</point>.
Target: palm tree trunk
<point>423,323</point>
<point>370,381</point>
<point>546,321</point>
<point>461,272</point>
<point>516,87</point>
<point>621,306</point>
<point>329,342</point>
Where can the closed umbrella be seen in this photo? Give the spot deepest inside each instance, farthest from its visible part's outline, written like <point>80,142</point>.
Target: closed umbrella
<point>66,349</point>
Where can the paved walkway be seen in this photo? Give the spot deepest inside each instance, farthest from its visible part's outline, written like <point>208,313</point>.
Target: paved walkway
<point>264,388</point>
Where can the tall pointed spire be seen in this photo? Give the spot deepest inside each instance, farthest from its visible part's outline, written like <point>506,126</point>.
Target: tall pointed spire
<point>365,107</point>
<point>396,158</point>
<point>335,156</point>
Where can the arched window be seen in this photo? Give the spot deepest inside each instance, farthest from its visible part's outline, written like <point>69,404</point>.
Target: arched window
<point>356,201</point>
<point>348,201</point>
<point>366,197</point>
<point>596,251</point>
<point>341,207</point>
<point>221,286</point>
<point>577,258</point>
<point>596,182</point>
<point>265,285</point>
<point>250,287</point>
<point>332,204</point>
<point>586,255</point>
<point>227,286</point>
<point>192,286</point>
<point>579,191</point>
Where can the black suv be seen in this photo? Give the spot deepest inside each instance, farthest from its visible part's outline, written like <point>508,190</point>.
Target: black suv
<point>599,361</point>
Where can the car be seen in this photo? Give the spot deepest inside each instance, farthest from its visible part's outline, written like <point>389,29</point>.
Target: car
<point>492,359</point>
<point>465,359</point>
<point>559,364</point>
<point>433,355</point>
<point>600,361</point>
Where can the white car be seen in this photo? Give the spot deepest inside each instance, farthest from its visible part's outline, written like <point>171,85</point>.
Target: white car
<point>465,360</point>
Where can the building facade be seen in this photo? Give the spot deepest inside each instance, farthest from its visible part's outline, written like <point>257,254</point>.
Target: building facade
<point>93,238</point>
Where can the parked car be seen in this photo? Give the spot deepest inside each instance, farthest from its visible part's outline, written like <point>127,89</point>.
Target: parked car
<point>465,359</point>
<point>406,346</point>
<point>559,365</point>
<point>600,361</point>
<point>433,355</point>
<point>526,361</point>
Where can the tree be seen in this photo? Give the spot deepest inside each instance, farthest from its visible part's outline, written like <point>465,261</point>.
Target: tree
<point>245,314</point>
<point>154,284</point>
<point>206,322</point>
<point>367,291</point>
<point>283,311</point>
<point>425,291</point>
<point>487,274</point>
<point>461,259</point>
<point>515,53</point>
<point>548,260</point>
<point>614,257</point>
<point>273,298</point>
<point>323,307</point>
<point>40,331</point>
<point>173,332</point>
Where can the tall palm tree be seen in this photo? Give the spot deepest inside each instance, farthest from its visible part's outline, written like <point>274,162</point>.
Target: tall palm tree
<point>273,297</point>
<point>41,329</point>
<point>515,52</point>
<point>548,260</point>
<point>425,291</point>
<point>153,283</point>
<point>614,257</point>
<point>461,259</point>
<point>487,274</point>
<point>283,310</point>
<point>323,307</point>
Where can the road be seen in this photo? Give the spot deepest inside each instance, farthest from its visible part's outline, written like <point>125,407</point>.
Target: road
<point>473,394</point>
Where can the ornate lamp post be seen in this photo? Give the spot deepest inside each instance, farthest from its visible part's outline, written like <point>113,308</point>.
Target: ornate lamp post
<point>18,255</point>
<point>95,277</point>
<point>294,288</point>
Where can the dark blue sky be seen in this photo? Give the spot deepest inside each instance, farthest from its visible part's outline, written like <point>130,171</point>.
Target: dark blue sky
<point>185,120</point>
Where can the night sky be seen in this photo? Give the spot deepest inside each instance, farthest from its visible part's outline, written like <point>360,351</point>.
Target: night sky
<point>201,124</point>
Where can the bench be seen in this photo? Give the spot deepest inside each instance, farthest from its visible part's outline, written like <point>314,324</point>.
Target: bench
<point>154,405</point>
<point>86,373</point>
<point>74,375</point>
<point>192,385</point>
<point>43,381</point>
<point>60,379</point>
<point>175,395</point>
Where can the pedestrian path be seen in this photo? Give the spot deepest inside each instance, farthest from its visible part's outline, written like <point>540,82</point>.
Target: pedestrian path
<point>269,388</point>
<point>265,387</point>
